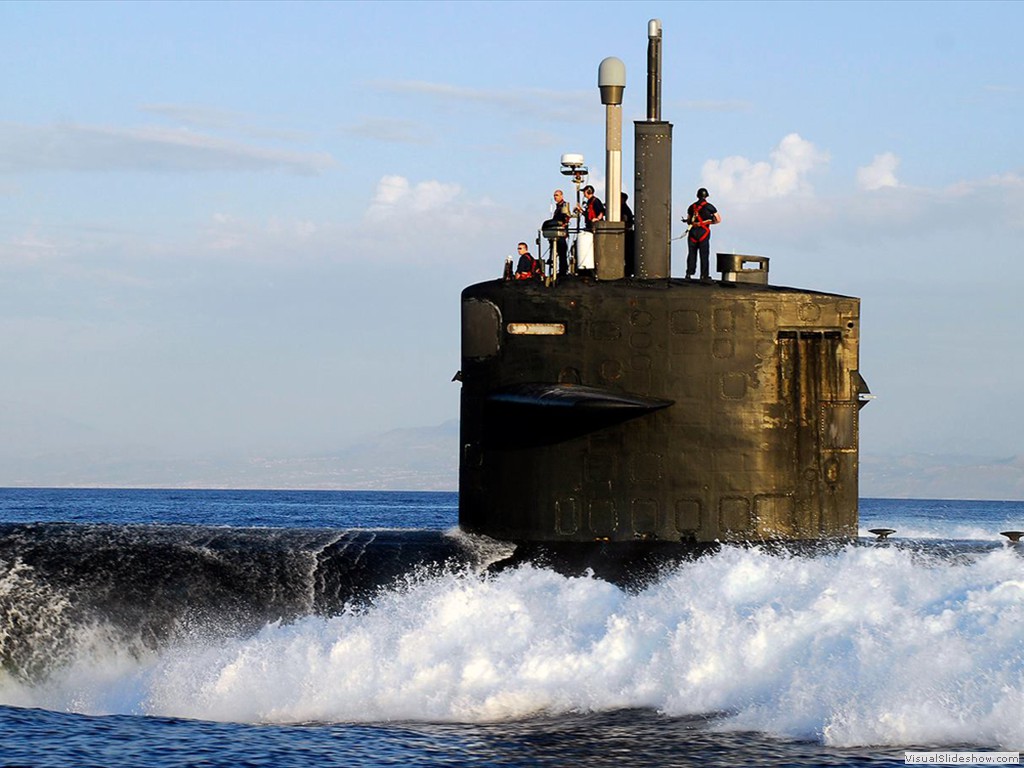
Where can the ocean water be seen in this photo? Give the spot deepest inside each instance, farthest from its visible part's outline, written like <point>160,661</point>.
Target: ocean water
<point>236,628</point>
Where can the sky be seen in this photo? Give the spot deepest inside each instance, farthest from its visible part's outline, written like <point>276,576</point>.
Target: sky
<point>241,229</point>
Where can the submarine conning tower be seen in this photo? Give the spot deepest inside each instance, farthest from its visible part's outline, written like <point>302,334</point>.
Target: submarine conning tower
<point>625,408</point>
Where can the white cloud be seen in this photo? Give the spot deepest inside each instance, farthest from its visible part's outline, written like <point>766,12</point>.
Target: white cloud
<point>738,179</point>
<point>72,147</point>
<point>390,130</point>
<point>273,239</point>
<point>27,248</point>
<point>1000,88</point>
<point>905,223</point>
<point>224,120</point>
<point>433,195</point>
<point>390,190</point>
<point>431,210</point>
<point>533,103</point>
<point>880,173</point>
<point>406,221</point>
<point>196,115</point>
<point>399,223</point>
<point>396,196</point>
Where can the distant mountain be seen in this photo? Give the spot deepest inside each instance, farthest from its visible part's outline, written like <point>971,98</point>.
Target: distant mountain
<point>938,476</point>
<point>426,458</point>
<point>419,458</point>
<point>414,459</point>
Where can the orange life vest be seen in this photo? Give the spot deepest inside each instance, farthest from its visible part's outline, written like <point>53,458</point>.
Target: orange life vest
<point>534,271</point>
<point>700,222</point>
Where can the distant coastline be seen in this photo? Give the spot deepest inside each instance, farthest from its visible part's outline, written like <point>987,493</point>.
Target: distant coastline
<point>426,459</point>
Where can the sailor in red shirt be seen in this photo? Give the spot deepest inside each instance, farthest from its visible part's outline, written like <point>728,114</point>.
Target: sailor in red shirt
<point>593,206</point>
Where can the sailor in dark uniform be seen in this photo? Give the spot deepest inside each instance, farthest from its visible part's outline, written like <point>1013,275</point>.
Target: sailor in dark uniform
<point>528,267</point>
<point>700,216</point>
<point>561,216</point>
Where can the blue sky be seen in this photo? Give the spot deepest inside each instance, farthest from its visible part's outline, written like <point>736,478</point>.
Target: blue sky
<point>242,229</point>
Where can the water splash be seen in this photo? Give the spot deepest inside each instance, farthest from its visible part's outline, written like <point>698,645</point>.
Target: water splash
<point>867,645</point>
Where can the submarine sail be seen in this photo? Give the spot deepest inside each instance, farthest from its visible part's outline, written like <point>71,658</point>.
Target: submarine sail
<point>618,407</point>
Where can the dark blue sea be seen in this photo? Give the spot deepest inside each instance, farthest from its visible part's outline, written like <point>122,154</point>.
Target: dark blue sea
<point>259,628</point>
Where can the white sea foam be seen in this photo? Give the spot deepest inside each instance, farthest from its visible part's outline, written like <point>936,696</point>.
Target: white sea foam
<point>870,645</point>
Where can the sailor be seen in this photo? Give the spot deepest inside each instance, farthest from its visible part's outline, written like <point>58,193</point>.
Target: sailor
<point>528,267</point>
<point>560,217</point>
<point>628,220</point>
<point>592,207</point>
<point>700,216</point>
<point>627,212</point>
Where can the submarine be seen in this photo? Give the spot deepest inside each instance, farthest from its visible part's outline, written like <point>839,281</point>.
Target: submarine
<point>627,408</point>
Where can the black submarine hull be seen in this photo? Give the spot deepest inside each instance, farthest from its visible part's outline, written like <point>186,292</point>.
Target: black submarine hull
<point>142,588</point>
<point>723,411</point>
<point>148,586</point>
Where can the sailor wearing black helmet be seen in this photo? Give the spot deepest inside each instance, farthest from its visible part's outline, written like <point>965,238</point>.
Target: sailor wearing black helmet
<point>593,208</point>
<point>700,216</point>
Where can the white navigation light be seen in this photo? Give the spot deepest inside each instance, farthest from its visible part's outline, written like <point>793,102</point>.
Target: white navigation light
<point>611,79</point>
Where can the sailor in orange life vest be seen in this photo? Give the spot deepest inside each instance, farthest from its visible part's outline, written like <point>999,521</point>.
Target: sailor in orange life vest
<point>593,208</point>
<point>528,267</point>
<point>700,216</point>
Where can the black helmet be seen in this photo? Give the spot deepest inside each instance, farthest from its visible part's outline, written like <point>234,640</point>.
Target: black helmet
<point>702,193</point>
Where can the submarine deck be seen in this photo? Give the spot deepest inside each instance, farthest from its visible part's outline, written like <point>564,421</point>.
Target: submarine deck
<point>574,283</point>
